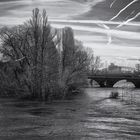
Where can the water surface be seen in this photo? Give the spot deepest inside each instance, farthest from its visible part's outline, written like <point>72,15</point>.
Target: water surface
<point>86,117</point>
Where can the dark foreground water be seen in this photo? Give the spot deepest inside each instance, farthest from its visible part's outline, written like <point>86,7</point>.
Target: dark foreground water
<point>88,116</point>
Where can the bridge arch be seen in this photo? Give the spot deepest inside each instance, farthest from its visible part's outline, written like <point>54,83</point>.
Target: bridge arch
<point>125,83</point>
<point>100,82</point>
<point>93,82</point>
<point>111,80</point>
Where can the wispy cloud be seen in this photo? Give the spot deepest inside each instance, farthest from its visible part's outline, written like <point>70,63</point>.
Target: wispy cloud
<point>108,32</point>
<point>113,32</point>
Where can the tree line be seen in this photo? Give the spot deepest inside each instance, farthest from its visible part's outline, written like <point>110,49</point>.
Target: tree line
<point>42,62</point>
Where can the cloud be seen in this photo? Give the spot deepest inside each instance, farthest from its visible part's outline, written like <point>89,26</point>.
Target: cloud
<point>93,22</point>
<point>64,13</point>
<point>115,52</point>
<point>116,33</point>
<point>55,8</point>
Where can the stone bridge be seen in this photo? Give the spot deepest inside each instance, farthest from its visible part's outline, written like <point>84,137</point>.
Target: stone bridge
<point>109,80</point>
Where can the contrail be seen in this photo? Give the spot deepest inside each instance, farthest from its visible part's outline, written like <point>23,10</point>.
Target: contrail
<point>116,33</point>
<point>124,9</point>
<point>129,20</point>
<point>112,3</point>
<point>130,15</point>
<point>90,22</point>
<point>108,32</point>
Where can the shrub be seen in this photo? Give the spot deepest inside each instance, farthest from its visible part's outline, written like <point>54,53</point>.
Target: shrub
<point>114,95</point>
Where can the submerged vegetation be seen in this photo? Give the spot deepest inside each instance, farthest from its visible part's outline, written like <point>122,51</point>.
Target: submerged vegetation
<point>114,95</point>
<point>41,62</point>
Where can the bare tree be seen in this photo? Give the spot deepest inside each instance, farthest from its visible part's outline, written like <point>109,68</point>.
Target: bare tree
<point>29,46</point>
<point>74,62</point>
<point>39,65</point>
<point>95,64</point>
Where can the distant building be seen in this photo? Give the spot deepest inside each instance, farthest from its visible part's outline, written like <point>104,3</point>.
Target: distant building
<point>125,69</point>
<point>137,67</point>
<point>115,69</point>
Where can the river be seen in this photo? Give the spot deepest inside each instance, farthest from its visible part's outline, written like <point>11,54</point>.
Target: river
<point>88,116</point>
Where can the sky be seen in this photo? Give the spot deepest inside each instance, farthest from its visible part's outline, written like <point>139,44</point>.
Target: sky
<point>110,27</point>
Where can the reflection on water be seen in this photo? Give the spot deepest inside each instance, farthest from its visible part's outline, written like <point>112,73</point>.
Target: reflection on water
<point>86,117</point>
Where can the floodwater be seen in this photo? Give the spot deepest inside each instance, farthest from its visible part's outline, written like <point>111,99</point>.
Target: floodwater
<point>88,116</point>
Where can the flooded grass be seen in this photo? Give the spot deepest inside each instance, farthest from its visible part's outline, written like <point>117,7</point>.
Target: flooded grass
<point>86,117</point>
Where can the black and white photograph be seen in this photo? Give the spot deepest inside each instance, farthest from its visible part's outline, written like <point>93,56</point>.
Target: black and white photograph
<point>69,69</point>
